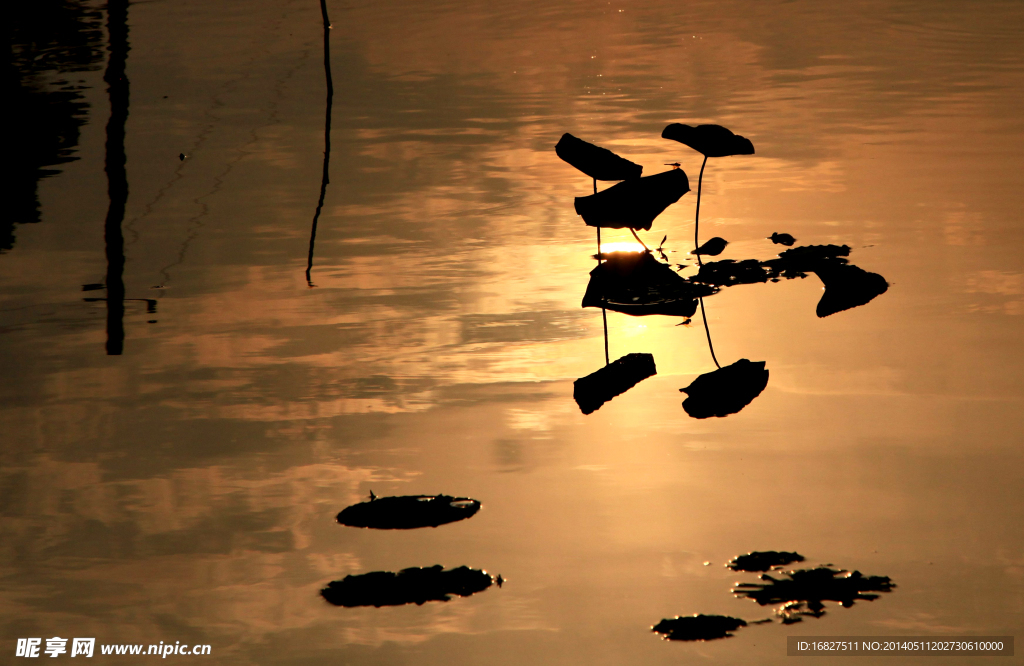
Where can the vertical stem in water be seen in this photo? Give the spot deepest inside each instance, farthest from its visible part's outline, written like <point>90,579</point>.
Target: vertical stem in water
<point>327,139</point>
<point>696,223</point>
<point>604,316</point>
<point>117,173</point>
<point>598,230</point>
<point>707,330</point>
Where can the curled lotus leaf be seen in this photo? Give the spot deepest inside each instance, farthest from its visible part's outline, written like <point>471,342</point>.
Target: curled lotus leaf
<point>709,140</point>
<point>634,203</point>
<point>596,162</point>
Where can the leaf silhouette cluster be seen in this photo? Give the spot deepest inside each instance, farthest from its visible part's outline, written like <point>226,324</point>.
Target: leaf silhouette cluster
<point>413,585</point>
<point>798,594</point>
<point>803,592</point>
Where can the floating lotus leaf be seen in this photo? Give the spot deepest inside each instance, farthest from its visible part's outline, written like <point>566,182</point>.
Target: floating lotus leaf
<point>408,586</point>
<point>763,560</point>
<point>712,248</point>
<point>635,283</point>
<point>726,390</point>
<point>811,587</point>
<point>408,512</point>
<point>709,140</point>
<point>698,627</point>
<point>847,287</point>
<point>633,203</point>
<point>614,379</point>
<point>596,162</point>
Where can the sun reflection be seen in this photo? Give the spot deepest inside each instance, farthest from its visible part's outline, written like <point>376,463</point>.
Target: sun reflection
<point>622,246</point>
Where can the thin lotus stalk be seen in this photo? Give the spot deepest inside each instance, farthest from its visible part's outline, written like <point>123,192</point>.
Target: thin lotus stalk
<point>696,223</point>
<point>117,175</point>
<point>704,316</point>
<point>327,140</point>
<point>598,230</point>
<point>633,231</point>
<point>604,317</point>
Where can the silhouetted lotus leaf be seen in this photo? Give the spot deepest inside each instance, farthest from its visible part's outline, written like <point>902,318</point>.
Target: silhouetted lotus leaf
<point>727,273</point>
<point>596,162</point>
<point>726,390</point>
<point>810,587</point>
<point>712,248</point>
<point>633,203</point>
<point>614,379</point>
<point>710,140</point>
<point>408,586</point>
<point>635,283</point>
<point>847,287</point>
<point>698,627</point>
<point>408,512</point>
<point>782,239</point>
<point>763,560</point>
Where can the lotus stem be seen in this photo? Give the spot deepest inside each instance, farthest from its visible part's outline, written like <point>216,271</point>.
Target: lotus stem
<point>633,231</point>
<point>696,223</point>
<point>704,316</point>
<point>604,316</point>
<point>325,179</point>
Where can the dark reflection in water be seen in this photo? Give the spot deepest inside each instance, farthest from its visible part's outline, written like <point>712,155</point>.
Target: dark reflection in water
<point>325,179</point>
<point>635,283</point>
<point>48,39</point>
<point>408,511</point>
<point>409,586</point>
<point>798,594</point>
<point>614,379</point>
<point>117,175</point>
<point>846,286</point>
<point>763,560</point>
<point>726,390</point>
<point>698,627</point>
<point>802,592</point>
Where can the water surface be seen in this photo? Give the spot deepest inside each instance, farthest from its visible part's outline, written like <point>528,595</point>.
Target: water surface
<point>186,489</point>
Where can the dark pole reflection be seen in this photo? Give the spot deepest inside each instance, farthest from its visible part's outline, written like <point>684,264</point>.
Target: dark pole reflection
<point>117,176</point>
<point>327,139</point>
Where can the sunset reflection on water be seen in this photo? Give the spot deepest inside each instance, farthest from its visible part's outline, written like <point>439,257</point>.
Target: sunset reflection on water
<point>187,489</point>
